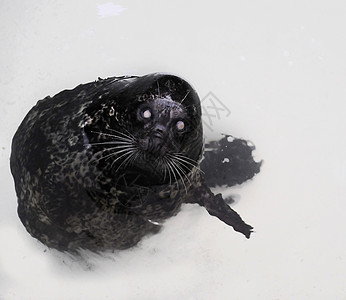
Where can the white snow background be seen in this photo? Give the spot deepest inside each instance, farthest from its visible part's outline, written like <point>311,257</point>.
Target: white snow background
<point>278,66</point>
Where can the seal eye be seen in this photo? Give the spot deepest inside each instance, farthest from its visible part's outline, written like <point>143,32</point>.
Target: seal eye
<point>180,125</point>
<point>146,114</point>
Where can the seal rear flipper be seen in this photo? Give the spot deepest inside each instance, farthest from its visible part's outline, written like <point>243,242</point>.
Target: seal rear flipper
<point>216,206</point>
<point>229,162</point>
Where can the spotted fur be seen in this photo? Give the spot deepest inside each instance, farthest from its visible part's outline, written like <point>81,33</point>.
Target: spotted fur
<point>71,196</point>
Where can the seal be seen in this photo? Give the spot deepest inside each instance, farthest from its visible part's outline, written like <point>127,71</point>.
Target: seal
<point>102,165</point>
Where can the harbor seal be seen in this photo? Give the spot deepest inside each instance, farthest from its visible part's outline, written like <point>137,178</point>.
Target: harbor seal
<point>102,165</point>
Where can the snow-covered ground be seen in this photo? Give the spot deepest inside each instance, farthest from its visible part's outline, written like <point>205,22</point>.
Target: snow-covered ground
<point>278,67</point>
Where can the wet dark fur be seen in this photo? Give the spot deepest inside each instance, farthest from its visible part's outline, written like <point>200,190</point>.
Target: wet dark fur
<point>92,171</point>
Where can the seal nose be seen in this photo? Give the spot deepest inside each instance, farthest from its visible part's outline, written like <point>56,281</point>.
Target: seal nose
<point>158,139</point>
<point>159,130</point>
<point>152,145</point>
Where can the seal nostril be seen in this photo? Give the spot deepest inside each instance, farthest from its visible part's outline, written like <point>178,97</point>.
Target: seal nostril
<point>159,130</point>
<point>158,134</point>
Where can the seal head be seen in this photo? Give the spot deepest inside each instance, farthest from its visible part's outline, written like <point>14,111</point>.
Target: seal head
<point>149,128</point>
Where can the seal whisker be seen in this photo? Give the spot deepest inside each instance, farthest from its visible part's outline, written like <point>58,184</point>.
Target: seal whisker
<point>173,169</point>
<point>114,136</point>
<point>122,151</point>
<point>117,138</point>
<point>164,160</point>
<point>187,165</point>
<point>128,133</point>
<point>179,170</point>
<point>125,161</point>
<point>120,147</point>
<point>134,157</point>
<point>165,169</point>
<point>184,161</point>
<point>112,143</point>
<point>188,92</point>
<point>129,136</point>
<point>169,169</point>
<point>124,154</point>
<point>186,157</point>
<point>120,138</point>
<point>113,153</point>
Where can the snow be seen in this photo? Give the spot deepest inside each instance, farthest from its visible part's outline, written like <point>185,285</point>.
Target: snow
<point>109,9</point>
<point>291,107</point>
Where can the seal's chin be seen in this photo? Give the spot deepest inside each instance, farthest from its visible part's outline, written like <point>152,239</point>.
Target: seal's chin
<point>152,163</point>
<point>147,173</point>
<point>158,168</point>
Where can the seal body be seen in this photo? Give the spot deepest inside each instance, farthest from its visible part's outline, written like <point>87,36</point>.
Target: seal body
<point>102,165</point>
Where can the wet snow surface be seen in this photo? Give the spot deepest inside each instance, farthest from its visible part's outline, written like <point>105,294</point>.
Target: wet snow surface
<point>276,73</point>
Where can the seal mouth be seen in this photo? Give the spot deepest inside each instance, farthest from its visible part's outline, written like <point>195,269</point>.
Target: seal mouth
<point>156,147</point>
<point>153,146</point>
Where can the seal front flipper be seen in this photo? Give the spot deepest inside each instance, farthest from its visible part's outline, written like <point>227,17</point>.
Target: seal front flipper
<point>216,206</point>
